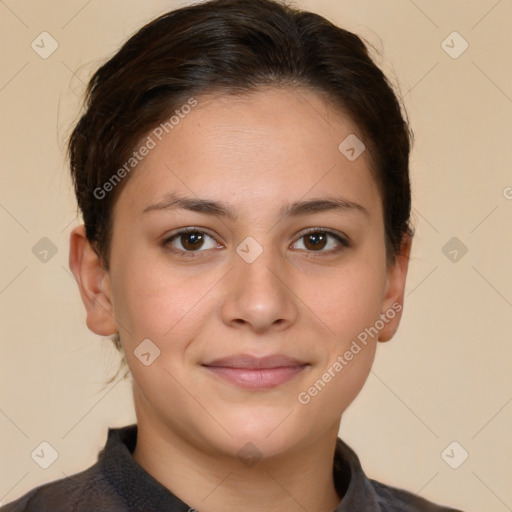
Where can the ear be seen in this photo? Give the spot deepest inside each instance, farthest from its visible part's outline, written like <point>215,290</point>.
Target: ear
<point>392,305</point>
<point>94,283</point>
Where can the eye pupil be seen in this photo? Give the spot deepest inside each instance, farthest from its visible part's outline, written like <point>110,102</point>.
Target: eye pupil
<point>318,240</point>
<point>195,238</point>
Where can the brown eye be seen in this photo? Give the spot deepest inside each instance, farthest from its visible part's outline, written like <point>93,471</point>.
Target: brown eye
<point>317,240</point>
<point>191,241</point>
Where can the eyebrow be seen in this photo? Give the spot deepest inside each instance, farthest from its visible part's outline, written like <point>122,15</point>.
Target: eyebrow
<point>215,208</point>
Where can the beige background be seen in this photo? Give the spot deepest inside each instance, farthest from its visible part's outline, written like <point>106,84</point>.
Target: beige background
<point>445,377</point>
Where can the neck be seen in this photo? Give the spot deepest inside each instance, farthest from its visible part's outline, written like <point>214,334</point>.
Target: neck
<point>294,482</point>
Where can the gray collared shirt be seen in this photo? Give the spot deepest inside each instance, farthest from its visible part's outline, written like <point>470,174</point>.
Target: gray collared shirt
<point>116,483</point>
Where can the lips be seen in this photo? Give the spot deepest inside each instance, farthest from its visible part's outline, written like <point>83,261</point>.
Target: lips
<point>256,372</point>
<point>251,362</point>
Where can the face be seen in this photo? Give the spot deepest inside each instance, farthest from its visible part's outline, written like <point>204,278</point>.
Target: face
<point>250,251</point>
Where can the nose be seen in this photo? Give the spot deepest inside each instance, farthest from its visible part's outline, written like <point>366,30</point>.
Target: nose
<point>258,296</point>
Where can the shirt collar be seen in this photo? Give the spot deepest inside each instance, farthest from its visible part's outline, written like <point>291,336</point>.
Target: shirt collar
<point>141,492</point>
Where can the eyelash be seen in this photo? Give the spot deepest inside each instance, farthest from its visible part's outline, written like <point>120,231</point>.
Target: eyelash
<point>344,243</point>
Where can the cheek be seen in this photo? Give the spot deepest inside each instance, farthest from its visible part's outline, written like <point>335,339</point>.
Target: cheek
<point>349,310</point>
<point>346,301</point>
<point>156,300</point>
<point>350,304</point>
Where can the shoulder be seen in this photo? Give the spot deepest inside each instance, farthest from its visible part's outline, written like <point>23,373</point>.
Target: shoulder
<point>96,488</point>
<point>393,499</point>
<point>82,492</point>
<point>365,494</point>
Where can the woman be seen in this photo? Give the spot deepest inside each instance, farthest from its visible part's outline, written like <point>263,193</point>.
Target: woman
<point>242,171</point>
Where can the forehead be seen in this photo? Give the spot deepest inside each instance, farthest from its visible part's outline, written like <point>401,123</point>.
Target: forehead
<point>273,145</point>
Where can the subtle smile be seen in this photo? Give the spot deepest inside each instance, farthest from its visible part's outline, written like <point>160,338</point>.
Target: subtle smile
<point>256,373</point>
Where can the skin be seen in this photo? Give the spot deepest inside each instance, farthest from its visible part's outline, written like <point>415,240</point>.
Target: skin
<point>256,153</point>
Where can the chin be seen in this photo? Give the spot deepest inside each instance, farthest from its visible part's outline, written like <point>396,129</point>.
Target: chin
<point>272,432</point>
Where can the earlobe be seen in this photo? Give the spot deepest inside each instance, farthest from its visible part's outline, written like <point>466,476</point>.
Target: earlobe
<point>392,305</point>
<point>93,282</point>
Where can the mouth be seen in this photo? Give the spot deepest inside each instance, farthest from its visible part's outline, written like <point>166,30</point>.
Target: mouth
<point>256,372</point>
